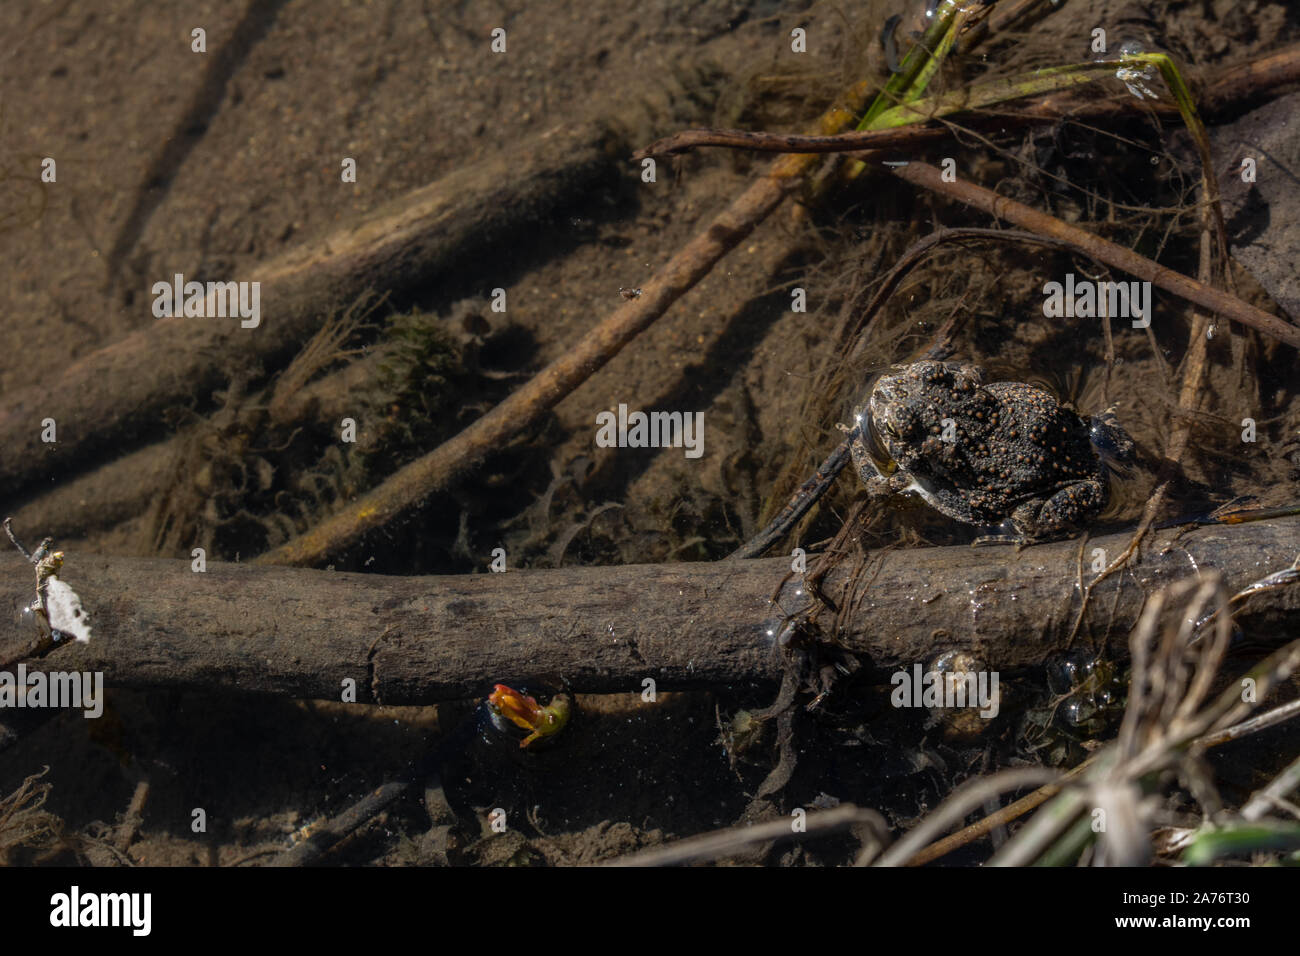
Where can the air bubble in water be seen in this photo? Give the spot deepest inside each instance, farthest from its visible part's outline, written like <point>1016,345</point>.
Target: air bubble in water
<point>1136,77</point>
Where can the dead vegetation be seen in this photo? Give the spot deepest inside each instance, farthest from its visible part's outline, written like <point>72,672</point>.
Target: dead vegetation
<point>462,457</point>
<point>26,828</point>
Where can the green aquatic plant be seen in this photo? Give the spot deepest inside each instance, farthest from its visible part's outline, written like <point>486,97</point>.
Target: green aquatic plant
<point>422,377</point>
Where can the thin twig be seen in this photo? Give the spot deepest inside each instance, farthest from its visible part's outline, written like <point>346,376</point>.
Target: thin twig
<point>324,836</point>
<point>1264,800</point>
<point>790,143</point>
<point>1102,250</point>
<point>724,843</point>
<point>402,492</point>
<point>1254,725</point>
<point>971,796</point>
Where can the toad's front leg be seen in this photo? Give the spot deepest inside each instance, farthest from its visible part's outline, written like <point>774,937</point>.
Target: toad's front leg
<point>878,485</point>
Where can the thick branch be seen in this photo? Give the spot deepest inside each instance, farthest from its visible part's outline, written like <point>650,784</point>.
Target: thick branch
<point>424,639</point>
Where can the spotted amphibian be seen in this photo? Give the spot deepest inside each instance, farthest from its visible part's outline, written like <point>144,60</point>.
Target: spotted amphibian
<point>1002,454</point>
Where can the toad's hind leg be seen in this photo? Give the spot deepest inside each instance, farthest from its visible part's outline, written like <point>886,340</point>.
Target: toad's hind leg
<point>1070,507</point>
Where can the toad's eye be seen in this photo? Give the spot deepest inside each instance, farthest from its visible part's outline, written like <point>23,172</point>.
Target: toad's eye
<point>891,430</point>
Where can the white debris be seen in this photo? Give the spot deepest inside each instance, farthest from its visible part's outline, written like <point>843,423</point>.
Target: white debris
<point>1136,80</point>
<point>66,614</point>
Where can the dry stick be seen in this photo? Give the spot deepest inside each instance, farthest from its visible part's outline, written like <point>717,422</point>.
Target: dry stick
<point>115,492</point>
<point>790,143</point>
<point>419,640</point>
<point>1009,14</point>
<point>1254,725</point>
<point>119,393</point>
<point>728,842</point>
<point>983,827</point>
<point>1247,80</point>
<point>972,795</point>
<point>405,490</point>
<point>330,832</point>
<point>1266,799</point>
<point>132,818</point>
<point>800,503</point>
<point>1113,254</point>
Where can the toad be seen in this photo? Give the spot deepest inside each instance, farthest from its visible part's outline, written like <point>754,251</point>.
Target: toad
<point>1004,454</point>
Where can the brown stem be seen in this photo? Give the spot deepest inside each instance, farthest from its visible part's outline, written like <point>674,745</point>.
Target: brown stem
<point>1102,250</point>
<point>401,492</point>
<point>788,143</point>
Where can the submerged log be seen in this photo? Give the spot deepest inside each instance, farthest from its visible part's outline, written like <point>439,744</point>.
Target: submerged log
<point>410,640</point>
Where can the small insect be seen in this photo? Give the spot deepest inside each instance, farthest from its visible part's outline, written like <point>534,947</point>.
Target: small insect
<point>57,609</point>
<point>629,293</point>
<point>524,711</point>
